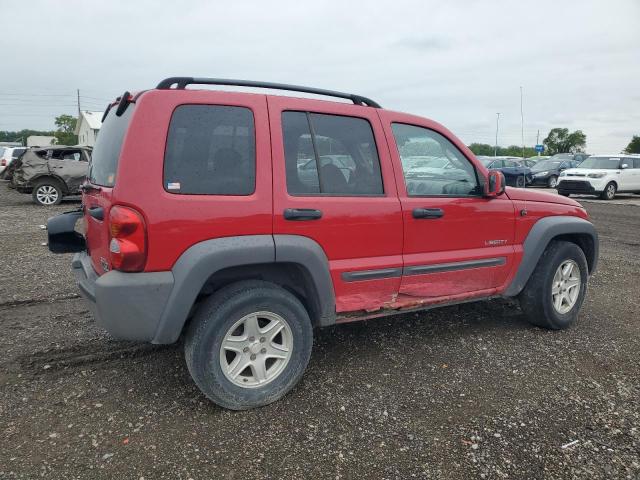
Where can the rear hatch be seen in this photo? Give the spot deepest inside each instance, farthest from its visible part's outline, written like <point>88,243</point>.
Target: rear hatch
<point>98,192</point>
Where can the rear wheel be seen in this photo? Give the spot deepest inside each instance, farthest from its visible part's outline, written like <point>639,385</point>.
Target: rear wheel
<point>520,181</point>
<point>248,344</point>
<point>552,182</point>
<point>47,192</point>
<point>556,289</point>
<point>609,192</point>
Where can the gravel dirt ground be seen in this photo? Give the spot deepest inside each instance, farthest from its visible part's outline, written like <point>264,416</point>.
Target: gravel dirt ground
<point>471,391</point>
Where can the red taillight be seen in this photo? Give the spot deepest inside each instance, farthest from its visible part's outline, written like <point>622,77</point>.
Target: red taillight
<point>3,162</point>
<point>128,240</point>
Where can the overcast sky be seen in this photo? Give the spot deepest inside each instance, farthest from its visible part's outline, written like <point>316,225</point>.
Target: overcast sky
<point>457,62</point>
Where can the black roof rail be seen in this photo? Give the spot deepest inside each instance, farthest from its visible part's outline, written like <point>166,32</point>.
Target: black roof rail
<point>182,82</point>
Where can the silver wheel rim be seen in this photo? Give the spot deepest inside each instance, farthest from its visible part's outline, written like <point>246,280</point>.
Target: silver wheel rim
<point>553,182</point>
<point>47,195</point>
<point>256,349</point>
<point>520,182</point>
<point>566,286</point>
<point>611,191</point>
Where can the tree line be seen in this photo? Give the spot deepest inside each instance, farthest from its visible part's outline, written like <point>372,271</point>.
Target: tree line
<point>64,132</point>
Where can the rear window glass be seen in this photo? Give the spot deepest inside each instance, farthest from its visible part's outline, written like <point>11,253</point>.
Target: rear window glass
<point>330,154</point>
<point>106,152</point>
<point>211,150</point>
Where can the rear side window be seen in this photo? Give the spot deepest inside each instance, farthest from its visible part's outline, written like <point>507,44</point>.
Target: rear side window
<point>211,150</point>
<point>106,152</point>
<point>330,155</point>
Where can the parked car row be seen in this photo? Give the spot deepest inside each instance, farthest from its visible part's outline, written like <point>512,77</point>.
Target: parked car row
<point>533,171</point>
<point>47,173</point>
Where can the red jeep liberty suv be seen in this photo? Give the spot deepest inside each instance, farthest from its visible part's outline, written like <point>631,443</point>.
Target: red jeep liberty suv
<point>245,220</point>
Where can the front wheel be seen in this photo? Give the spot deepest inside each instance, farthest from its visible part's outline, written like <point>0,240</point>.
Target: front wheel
<point>556,289</point>
<point>520,181</point>
<point>47,192</point>
<point>609,192</point>
<point>248,344</point>
<point>552,182</point>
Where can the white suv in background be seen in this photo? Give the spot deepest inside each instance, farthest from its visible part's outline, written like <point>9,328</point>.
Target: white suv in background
<point>8,155</point>
<point>602,175</point>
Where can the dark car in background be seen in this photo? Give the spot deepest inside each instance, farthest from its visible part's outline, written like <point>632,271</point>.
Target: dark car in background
<point>51,173</point>
<point>515,173</point>
<point>546,172</point>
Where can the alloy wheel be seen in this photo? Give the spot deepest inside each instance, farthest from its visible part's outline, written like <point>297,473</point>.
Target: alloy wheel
<point>565,288</point>
<point>47,194</point>
<point>256,349</point>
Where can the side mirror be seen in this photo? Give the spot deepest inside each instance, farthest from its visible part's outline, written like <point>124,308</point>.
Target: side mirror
<point>495,184</point>
<point>623,166</point>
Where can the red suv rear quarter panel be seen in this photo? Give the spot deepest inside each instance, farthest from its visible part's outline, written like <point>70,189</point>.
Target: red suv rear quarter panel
<point>175,222</point>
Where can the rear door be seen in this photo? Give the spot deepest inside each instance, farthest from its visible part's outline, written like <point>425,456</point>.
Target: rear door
<point>71,166</point>
<point>333,182</point>
<point>456,242</point>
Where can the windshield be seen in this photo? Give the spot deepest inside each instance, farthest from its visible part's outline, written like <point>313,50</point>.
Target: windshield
<point>562,156</point>
<point>548,164</point>
<point>609,163</point>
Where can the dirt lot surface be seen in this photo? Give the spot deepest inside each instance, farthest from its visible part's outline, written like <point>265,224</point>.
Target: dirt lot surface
<point>462,392</point>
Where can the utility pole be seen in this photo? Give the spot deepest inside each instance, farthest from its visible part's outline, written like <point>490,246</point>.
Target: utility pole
<point>522,121</point>
<point>495,151</point>
<point>78,92</point>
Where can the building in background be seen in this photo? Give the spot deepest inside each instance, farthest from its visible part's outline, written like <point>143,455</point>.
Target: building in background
<point>87,127</point>
<point>40,141</point>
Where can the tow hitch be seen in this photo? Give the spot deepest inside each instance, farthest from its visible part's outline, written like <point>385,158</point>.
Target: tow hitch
<point>62,234</point>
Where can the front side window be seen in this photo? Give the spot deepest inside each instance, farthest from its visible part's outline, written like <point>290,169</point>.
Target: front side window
<point>432,165</point>
<point>211,150</point>
<point>330,154</point>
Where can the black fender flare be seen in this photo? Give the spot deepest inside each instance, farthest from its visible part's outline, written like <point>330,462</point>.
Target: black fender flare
<point>543,232</point>
<point>200,261</point>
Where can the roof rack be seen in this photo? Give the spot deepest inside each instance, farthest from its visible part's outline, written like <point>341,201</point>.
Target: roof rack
<point>182,82</point>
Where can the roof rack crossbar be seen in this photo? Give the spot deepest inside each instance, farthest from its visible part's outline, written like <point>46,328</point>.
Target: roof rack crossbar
<point>182,82</point>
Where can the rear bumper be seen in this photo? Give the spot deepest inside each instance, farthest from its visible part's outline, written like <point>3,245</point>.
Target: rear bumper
<point>128,305</point>
<point>540,180</point>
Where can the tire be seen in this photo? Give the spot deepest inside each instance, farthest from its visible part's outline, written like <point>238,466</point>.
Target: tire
<point>520,181</point>
<point>537,299</point>
<point>609,192</point>
<point>564,194</point>
<point>552,182</point>
<point>208,362</point>
<point>47,192</point>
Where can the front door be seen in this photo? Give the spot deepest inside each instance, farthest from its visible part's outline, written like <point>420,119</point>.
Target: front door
<point>456,242</point>
<point>333,183</point>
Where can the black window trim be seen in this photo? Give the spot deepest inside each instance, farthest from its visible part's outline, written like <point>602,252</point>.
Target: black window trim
<point>255,143</point>
<point>479,178</point>
<point>308,114</point>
